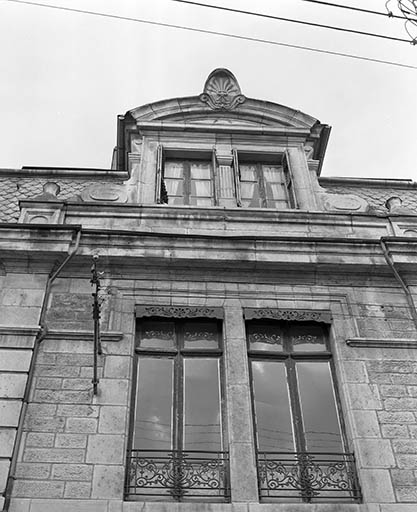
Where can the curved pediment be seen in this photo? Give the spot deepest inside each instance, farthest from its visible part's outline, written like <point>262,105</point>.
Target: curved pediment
<point>222,102</point>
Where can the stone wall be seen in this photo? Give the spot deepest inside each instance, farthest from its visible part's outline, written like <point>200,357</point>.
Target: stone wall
<point>73,449</point>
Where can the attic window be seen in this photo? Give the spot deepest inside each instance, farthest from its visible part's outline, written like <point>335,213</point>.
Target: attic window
<point>242,180</point>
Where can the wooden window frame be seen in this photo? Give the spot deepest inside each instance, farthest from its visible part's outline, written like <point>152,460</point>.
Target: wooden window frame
<point>255,158</point>
<point>179,354</point>
<point>290,358</point>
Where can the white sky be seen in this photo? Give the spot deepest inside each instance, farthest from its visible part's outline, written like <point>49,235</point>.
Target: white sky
<point>65,76</point>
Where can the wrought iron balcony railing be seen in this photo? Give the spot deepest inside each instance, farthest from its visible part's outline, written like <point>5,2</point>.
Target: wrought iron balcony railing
<point>179,475</point>
<point>308,477</point>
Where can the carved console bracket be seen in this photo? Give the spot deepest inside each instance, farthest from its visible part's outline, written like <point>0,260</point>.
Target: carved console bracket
<point>293,315</point>
<point>179,311</point>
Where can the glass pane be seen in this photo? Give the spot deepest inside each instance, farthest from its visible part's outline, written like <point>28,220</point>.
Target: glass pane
<point>201,201</point>
<point>272,406</point>
<point>273,173</point>
<point>153,422</point>
<point>265,337</point>
<point>174,187</point>
<point>173,169</point>
<point>250,195</point>
<point>275,191</point>
<point>202,420</point>
<point>200,170</point>
<point>157,334</point>
<point>318,407</point>
<point>201,188</point>
<point>279,205</point>
<point>200,335</point>
<point>248,172</point>
<point>307,338</point>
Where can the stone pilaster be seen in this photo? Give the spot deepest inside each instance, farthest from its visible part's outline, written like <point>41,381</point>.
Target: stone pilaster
<point>243,475</point>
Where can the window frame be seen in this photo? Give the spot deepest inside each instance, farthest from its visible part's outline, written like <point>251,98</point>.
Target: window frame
<point>258,159</point>
<point>289,359</point>
<point>179,355</point>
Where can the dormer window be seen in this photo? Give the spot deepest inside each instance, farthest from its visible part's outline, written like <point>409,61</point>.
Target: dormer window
<point>241,180</point>
<point>188,182</point>
<point>265,184</point>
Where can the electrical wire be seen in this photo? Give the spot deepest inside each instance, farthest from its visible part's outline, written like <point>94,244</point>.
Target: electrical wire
<point>388,14</point>
<point>213,32</point>
<point>290,20</point>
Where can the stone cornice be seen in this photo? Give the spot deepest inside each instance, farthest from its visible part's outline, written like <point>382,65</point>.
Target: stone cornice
<point>368,182</point>
<point>284,131</point>
<point>30,244</point>
<point>64,172</point>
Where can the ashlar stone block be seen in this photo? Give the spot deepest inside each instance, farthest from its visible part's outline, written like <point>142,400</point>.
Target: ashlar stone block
<point>365,424</point>
<point>9,412</point>
<point>376,486</point>
<point>12,385</point>
<point>81,472</point>
<point>105,449</point>
<point>7,437</point>
<point>108,482</point>
<point>117,367</point>
<point>375,453</point>
<point>15,360</point>
<point>112,419</point>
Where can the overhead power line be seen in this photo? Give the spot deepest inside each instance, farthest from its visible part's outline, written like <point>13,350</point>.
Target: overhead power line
<point>212,32</point>
<point>291,20</point>
<point>387,14</point>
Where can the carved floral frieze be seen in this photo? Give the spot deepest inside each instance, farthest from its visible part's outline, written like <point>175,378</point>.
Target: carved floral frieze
<point>293,315</point>
<point>179,311</point>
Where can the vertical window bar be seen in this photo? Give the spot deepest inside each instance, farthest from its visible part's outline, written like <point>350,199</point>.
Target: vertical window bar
<point>236,175</point>
<point>159,164</point>
<point>289,181</point>
<point>215,175</point>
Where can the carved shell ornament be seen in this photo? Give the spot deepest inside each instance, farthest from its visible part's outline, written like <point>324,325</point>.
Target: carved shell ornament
<point>221,91</point>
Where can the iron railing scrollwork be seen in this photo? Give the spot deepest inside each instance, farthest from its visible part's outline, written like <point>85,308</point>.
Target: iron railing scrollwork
<point>179,475</point>
<point>308,477</point>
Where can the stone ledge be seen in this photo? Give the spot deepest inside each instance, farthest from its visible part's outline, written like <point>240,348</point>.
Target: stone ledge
<point>70,335</point>
<point>380,342</point>
<point>19,331</point>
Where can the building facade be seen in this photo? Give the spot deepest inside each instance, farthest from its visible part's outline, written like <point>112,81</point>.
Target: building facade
<point>208,325</point>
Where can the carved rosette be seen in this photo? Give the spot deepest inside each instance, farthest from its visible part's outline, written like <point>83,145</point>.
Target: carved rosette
<point>221,91</point>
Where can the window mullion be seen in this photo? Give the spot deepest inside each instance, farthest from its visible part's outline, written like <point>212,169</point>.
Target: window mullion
<point>178,389</point>
<point>236,176</point>
<point>159,177</point>
<point>187,182</point>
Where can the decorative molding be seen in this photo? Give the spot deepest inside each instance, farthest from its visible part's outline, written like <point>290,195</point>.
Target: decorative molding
<point>179,311</point>
<point>108,193</point>
<point>382,343</point>
<point>221,91</point>
<point>19,331</point>
<point>293,315</point>
<point>112,336</point>
<point>344,202</point>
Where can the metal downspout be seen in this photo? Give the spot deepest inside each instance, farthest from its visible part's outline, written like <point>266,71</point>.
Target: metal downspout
<point>400,280</point>
<point>39,338</point>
